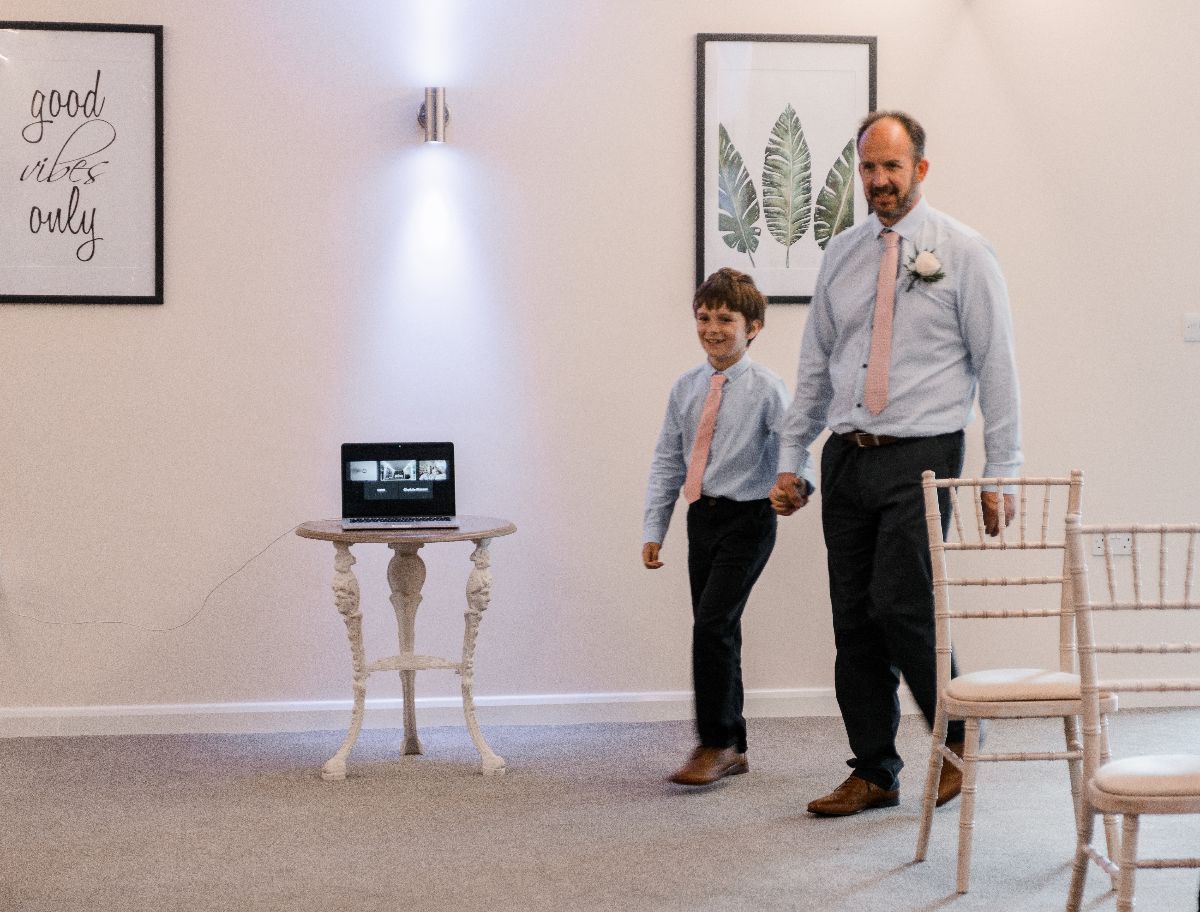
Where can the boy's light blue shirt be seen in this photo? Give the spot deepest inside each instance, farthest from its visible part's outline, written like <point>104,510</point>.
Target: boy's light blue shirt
<point>744,455</point>
<point>949,338</point>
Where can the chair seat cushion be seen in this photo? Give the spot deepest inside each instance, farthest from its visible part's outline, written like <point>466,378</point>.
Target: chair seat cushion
<point>1014,684</point>
<point>1158,774</point>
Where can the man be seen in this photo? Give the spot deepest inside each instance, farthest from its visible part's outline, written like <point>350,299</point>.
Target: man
<point>891,361</point>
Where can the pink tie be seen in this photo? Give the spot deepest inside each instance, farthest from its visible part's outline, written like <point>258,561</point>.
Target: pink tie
<point>704,436</point>
<point>875,393</point>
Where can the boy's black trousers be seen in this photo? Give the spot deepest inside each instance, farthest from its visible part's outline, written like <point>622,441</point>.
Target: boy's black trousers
<point>729,542</point>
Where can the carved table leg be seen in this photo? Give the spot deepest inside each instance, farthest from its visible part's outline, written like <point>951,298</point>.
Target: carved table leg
<point>345,596</point>
<point>479,593</point>
<point>406,575</point>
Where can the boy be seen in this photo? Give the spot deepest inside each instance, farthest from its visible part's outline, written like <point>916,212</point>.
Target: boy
<point>719,443</point>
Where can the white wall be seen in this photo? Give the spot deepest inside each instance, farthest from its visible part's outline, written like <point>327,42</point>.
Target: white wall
<point>524,292</point>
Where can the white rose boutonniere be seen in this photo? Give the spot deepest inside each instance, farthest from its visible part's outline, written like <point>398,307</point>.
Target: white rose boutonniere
<point>924,267</point>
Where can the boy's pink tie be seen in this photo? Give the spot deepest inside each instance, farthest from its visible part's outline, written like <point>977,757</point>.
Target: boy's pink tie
<point>875,392</point>
<point>704,436</point>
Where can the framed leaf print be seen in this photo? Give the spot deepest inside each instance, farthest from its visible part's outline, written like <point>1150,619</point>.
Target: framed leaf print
<point>776,163</point>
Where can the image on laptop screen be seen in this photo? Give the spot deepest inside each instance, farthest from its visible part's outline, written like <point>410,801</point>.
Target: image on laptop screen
<point>399,482</point>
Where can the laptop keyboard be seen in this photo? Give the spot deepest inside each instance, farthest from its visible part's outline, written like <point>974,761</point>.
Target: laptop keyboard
<point>396,520</point>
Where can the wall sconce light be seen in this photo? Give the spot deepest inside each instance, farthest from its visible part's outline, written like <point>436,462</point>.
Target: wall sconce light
<point>434,115</point>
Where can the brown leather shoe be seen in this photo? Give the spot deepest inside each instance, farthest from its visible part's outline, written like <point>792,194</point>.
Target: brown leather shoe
<point>852,796</point>
<point>708,764</point>
<point>951,782</point>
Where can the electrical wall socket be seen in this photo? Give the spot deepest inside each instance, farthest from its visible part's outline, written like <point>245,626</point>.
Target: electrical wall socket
<point>1191,327</point>
<point>1118,542</point>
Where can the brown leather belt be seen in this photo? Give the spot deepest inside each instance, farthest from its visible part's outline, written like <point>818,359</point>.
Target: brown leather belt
<point>863,439</point>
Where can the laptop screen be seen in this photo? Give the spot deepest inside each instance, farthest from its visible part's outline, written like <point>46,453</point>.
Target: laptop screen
<point>397,479</point>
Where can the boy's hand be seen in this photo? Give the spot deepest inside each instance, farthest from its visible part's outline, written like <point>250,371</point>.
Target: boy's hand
<point>650,555</point>
<point>788,494</point>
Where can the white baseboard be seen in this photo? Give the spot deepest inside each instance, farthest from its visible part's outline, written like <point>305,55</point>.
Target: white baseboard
<point>317,715</point>
<point>526,709</point>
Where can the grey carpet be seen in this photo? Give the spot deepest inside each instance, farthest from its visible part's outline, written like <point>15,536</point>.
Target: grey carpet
<point>582,820</point>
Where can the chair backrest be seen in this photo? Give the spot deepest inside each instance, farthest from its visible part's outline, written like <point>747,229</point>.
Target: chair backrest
<point>1150,575</point>
<point>1039,524</point>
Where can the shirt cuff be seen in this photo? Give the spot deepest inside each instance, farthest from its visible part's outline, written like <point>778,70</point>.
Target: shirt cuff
<point>654,533</point>
<point>797,460</point>
<point>1001,470</point>
<point>809,477</point>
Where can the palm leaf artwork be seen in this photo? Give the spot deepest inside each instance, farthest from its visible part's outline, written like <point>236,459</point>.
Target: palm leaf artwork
<point>787,182</point>
<point>736,198</point>
<point>835,202</point>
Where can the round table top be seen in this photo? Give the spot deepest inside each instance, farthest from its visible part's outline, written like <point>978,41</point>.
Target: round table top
<point>470,528</point>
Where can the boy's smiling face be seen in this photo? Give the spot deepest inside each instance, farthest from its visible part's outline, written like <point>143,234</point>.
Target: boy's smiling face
<point>724,335</point>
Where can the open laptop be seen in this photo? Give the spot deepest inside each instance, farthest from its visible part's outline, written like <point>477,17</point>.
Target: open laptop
<point>398,486</point>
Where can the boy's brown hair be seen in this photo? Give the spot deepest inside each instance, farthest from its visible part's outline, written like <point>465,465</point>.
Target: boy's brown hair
<point>734,290</point>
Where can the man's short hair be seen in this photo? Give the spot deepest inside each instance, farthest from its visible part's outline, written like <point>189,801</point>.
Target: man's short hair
<point>736,291</point>
<point>916,132</point>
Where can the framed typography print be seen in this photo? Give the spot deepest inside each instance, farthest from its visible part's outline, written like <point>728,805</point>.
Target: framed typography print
<point>81,163</point>
<point>776,174</point>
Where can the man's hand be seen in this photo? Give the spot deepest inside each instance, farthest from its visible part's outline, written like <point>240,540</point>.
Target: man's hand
<point>650,555</point>
<point>990,500</point>
<point>788,495</point>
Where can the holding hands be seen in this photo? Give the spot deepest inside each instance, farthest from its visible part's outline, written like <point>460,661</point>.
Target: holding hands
<point>789,494</point>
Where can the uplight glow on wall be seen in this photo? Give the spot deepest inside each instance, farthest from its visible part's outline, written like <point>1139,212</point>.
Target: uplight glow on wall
<point>427,47</point>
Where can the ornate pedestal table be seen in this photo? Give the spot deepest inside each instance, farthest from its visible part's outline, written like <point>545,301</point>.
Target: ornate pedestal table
<point>406,576</point>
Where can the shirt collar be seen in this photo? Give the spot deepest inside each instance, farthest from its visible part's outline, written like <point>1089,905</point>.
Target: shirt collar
<point>732,373</point>
<point>908,227</point>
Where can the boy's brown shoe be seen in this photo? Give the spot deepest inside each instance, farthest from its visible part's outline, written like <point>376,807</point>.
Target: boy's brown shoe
<point>852,796</point>
<point>708,764</point>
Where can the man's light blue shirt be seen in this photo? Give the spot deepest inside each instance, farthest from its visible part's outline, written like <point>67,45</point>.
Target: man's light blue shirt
<point>743,458</point>
<point>950,338</point>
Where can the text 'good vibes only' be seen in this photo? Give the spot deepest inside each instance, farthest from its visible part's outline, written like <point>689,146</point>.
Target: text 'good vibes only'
<point>75,160</point>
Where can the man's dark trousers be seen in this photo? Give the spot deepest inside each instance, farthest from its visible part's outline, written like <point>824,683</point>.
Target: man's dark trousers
<point>881,588</point>
<point>729,542</point>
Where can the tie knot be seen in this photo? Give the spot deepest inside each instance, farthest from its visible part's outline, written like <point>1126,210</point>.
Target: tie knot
<point>717,381</point>
<point>890,238</point>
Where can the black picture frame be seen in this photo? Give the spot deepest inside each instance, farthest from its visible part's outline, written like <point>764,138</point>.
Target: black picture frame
<point>746,85</point>
<point>81,163</point>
